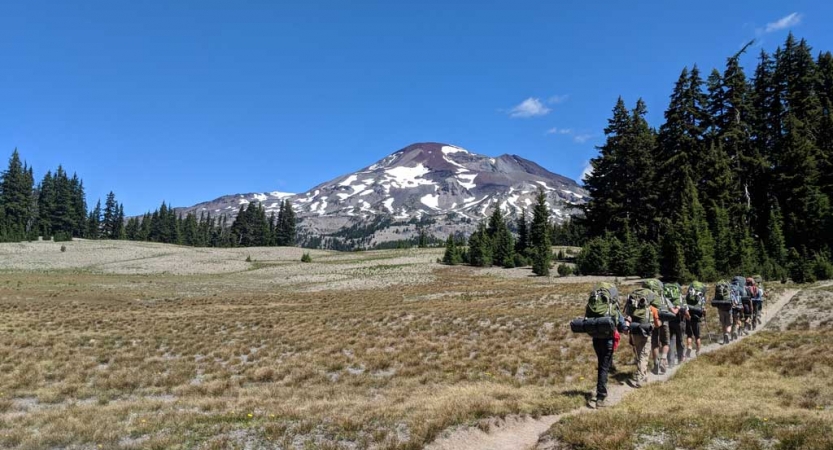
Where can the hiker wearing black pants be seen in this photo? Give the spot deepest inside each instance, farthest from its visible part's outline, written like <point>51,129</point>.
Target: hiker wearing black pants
<point>604,348</point>
<point>677,328</point>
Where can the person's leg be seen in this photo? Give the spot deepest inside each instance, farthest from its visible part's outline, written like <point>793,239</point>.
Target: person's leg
<point>725,323</point>
<point>695,330</point>
<point>655,348</point>
<point>604,354</point>
<point>642,347</point>
<point>678,339</point>
<point>664,342</point>
<point>689,335</point>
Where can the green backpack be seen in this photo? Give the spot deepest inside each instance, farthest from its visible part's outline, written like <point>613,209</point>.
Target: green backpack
<point>654,285</point>
<point>639,303</point>
<point>696,291</point>
<point>673,292</point>
<point>603,301</point>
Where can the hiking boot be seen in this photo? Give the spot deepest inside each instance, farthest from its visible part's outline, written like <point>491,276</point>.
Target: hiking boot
<point>734,336</point>
<point>601,403</point>
<point>655,370</point>
<point>663,366</point>
<point>725,339</point>
<point>697,353</point>
<point>634,384</point>
<point>592,403</point>
<point>687,354</point>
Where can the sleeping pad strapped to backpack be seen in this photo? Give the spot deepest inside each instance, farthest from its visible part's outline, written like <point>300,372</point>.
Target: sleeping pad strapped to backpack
<point>722,295</point>
<point>695,299</point>
<point>638,307</point>
<point>600,314</point>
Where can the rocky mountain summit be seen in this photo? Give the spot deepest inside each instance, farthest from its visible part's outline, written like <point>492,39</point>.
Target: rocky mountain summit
<point>441,187</point>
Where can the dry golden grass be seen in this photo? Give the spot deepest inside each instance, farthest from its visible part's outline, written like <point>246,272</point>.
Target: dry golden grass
<point>772,390</point>
<point>207,361</point>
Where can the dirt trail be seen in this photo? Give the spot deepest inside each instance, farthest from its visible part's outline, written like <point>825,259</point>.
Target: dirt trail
<point>516,433</point>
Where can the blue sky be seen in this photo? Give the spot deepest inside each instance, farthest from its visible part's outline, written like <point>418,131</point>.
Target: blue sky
<point>186,101</point>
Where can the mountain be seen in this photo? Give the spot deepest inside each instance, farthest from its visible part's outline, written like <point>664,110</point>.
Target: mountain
<point>442,187</point>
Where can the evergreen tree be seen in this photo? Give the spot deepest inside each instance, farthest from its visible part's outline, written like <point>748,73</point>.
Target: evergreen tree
<point>94,222</point>
<point>594,256</point>
<point>775,244</point>
<point>698,242</point>
<point>131,230</point>
<point>285,229</point>
<point>503,251</point>
<point>15,194</point>
<point>110,217</point>
<point>522,244</point>
<point>540,236</point>
<point>724,247</point>
<point>480,247</point>
<point>452,254</point>
<point>46,204</point>
<point>422,239</point>
<point>119,232</point>
<point>648,265</point>
<point>673,263</point>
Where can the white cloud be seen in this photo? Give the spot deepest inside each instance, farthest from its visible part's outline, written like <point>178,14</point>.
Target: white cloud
<point>582,138</point>
<point>556,130</point>
<point>784,22</point>
<point>556,99</point>
<point>588,169</point>
<point>530,107</point>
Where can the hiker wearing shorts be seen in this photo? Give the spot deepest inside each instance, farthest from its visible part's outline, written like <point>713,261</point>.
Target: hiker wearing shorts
<point>695,311</point>
<point>676,326</point>
<point>641,317</point>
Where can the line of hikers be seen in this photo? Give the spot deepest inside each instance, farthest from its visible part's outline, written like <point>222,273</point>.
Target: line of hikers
<point>656,314</point>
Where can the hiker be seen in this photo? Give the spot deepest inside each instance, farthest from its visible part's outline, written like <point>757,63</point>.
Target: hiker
<point>674,297</point>
<point>757,301</point>
<point>755,296</point>
<point>603,322</point>
<point>741,307</point>
<point>696,313</point>
<point>723,301</point>
<point>660,336</point>
<point>641,317</point>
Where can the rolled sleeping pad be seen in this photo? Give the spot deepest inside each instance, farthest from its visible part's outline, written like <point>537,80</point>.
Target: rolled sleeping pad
<point>695,311</point>
<point>646,327</point>
<point>597,327</point>
<point>667,316</point>
<point>721,303</point>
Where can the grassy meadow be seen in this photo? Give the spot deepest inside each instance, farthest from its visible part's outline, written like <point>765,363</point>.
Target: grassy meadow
<point>127,345</point>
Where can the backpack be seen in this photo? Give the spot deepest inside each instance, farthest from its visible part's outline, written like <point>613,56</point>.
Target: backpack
<point>601,301</point>
<point>696,294</point>
<point>739,286</point>
<point>654,285</point>
<point>601,313</point>
<point>673,292</point>
<point>722,295</point>
<point>639,304</point>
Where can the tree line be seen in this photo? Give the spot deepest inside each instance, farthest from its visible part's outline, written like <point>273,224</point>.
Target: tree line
<point>493,244</point>
<point>738,178</point>
<point>55,208</point>
<point>251,228</point>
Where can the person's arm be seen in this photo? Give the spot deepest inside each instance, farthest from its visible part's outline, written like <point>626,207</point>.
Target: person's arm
<point>623,326</point>
<point>655,314</point>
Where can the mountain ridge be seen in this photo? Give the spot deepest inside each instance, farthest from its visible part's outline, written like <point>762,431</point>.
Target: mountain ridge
<point>446,185</point>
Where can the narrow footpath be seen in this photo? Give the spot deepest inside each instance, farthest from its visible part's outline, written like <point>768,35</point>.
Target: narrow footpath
<point>522,433</point>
